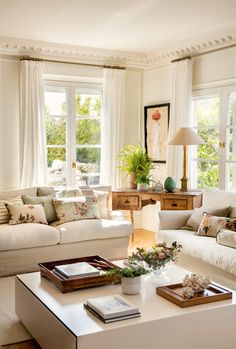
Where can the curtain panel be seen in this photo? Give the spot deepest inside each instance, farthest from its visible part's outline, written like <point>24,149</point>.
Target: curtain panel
<point>113,125</point>
<point>180,114</point>
<point>33,159</point>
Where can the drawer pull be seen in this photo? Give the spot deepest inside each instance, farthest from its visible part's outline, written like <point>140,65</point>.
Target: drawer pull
<point>174,205</point>
<point>127,201</point>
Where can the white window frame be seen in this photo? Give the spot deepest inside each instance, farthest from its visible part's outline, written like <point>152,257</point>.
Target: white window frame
<point>223,93</point>
<point>71,88</point>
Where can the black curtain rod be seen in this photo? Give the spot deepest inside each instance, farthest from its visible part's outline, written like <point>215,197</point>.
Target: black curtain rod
<point>28,58</point>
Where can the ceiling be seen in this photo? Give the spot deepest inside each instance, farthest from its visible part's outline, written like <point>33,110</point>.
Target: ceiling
<point>137,26</point>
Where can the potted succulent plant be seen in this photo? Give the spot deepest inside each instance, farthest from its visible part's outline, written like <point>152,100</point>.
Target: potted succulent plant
<point>137,164</point>
<point>130,278</point>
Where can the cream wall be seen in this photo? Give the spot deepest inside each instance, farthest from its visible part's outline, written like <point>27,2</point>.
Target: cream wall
<point>9,109</point>
<point>9,123</point>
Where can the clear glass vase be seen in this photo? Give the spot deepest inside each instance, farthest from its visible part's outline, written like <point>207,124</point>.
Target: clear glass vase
<point>158,277</point>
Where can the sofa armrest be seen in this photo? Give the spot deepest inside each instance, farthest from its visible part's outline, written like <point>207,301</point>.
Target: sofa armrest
<point>173,219</point>
<point>115,215</point>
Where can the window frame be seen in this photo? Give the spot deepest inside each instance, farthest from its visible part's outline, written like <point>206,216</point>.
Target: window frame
<point>222,93</point>
<point>71,88</point>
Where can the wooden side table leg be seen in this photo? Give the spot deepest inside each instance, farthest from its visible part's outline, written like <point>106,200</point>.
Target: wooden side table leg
<point>132,221</point>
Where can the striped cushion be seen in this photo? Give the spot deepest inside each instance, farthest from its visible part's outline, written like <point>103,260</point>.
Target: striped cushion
<point>4,215</point>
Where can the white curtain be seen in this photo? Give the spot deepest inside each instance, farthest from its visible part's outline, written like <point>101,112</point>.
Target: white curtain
<point>180,114</point>
<point>113,124</point>
<point>33,162</point>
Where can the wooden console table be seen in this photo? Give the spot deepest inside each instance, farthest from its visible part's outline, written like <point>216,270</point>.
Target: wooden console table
<point>132,200</point>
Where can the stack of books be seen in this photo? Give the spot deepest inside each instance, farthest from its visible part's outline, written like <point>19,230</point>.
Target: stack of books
<point>112,308</point>
<point>76,270</point>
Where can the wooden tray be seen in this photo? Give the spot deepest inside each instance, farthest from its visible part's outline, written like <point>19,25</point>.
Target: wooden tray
<point>174,293</point>
<point>67,285</point>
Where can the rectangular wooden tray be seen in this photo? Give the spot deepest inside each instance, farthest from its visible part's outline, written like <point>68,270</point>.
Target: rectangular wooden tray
<point>67,285</point>
<point>174,293</point>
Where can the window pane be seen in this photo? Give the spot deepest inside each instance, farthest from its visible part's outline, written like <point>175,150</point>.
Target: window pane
<point>231,144</point>
<point>56,130</point>
<point>55,101</point>
<point>206,112</point>
<point>88,131</point>
<point>88,104</point>
<point>232,109</point>
<point>209,150</point>
<point>57,166</point>
<point>207,175</point>
<point>231,174</point>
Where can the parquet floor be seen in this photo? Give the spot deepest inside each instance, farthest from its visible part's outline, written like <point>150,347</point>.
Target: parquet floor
<point>142,238</point>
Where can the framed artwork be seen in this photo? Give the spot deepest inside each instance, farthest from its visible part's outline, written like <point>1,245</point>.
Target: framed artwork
<point>156,131</point>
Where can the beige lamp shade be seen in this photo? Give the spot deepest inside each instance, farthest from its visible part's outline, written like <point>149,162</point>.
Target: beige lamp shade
<point>186,136</point>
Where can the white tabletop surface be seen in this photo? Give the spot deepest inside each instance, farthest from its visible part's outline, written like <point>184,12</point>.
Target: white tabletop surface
<point>69,307</point>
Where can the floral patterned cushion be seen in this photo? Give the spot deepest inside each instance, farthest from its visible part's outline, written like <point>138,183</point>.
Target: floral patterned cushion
<point>211,225</point>
<point>26,214</point>
<point>68,211</point>
<point>4,215</point>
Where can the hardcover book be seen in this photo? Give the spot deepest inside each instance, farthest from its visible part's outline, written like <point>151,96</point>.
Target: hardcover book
<point>113,319</point>
<point>113,306</point>
<point>79,269</point>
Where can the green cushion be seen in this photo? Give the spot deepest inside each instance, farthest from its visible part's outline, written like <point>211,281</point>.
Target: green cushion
<point>47,204</point>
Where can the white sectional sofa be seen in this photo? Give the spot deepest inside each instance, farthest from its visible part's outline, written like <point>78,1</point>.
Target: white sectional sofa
<point>201,253</point>
<point>23,246</point>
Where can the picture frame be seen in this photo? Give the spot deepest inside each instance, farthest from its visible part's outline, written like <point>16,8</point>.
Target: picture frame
<point>156,118</point>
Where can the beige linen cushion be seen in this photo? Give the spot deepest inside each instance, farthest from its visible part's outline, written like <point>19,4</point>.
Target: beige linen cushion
<point>45,191</point>
<point>46,201</point>
<point>68,211</point>
<point>211,225</point>
<point>227,238</point>
<point>195,219</point>
<point>4,214</point>
<point>26,214</point>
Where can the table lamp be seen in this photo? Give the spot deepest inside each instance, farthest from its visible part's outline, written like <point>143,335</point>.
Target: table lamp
<point>185,136</point>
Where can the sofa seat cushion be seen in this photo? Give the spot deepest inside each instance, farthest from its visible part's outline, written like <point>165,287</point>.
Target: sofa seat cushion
<point>202,247</point>
<point>92,229</point>
<point>27,235</point>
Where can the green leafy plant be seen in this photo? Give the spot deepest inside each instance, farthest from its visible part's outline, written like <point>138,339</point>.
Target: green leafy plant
<point>127,272</point>
<point>134,158</point>
<point>157,256</point>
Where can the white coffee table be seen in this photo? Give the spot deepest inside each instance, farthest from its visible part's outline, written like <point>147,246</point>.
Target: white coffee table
<point>59,321</point>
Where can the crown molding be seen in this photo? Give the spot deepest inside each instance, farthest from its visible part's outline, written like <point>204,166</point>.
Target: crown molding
<point>137,60</point>
<point>15,46</point>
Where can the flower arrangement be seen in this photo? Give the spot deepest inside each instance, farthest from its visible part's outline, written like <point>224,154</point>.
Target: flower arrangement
<point>195,284</point>
<point>83,167</point>
<point>157,256</point>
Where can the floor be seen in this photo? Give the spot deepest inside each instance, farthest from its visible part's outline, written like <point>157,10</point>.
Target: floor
<point>142,238</point>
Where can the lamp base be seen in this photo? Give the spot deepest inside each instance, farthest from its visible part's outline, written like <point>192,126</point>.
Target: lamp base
<point>184,184</point>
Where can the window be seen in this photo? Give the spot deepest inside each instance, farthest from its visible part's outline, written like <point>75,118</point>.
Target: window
<point>213,164</point>
<point>73,130</point>
<point>205,161</point>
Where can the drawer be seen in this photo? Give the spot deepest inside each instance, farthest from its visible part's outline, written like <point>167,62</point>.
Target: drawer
<point>128,202</point>
<point>175,204</point>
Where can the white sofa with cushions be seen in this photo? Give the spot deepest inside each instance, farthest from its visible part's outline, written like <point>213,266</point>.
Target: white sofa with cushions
<point>213,256</point>
<point>23,246</point>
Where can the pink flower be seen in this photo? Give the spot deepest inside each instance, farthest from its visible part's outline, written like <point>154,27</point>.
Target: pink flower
<point>161,255</point>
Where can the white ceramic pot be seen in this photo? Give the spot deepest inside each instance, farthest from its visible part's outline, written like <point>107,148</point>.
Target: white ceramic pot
<point>142,187</point>
<point>131,285</point>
